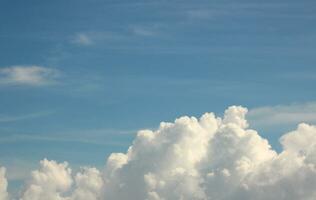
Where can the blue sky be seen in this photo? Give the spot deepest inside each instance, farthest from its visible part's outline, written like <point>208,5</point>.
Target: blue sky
<point>78,78</point>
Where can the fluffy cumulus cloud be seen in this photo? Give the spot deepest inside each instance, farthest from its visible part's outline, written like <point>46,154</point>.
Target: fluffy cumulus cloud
<point>48,182</point>
<point>89,185</point>
<point>209,158</point>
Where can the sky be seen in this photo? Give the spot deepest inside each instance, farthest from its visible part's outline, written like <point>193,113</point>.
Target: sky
<point>79,78</point>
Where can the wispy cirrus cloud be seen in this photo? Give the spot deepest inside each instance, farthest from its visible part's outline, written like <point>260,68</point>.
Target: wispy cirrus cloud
<point>125,35</point>
<point>146,31</point>
<point>90,38</point>
<point>283,114</point>
<point>92,136</point>
<point>11,118</point>
<point>28,75</point>
<point>203,13</point>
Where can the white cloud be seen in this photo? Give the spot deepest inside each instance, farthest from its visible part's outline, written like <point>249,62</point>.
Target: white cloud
<point>48,182</point>
<point>199,159</point>
<point>53,180</point>
<point>283,114</point>
<point>82,39</point>
<point>89,184</point>
<point>204,158</point>
<point>3,184</point>
<point>28,75</point>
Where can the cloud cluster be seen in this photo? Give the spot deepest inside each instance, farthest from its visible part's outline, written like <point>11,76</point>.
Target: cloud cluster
<point>190,159</point>
<point>49,181</point>
<point>28,75</point>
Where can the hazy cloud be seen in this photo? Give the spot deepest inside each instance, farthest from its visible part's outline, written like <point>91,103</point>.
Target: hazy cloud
<point>28,75</point>
<point>144,31</point>
<point>5,118</point>
<point>203,13</point>
<point>3,184</point>
<point>82,39</point>
<point>283,114</point>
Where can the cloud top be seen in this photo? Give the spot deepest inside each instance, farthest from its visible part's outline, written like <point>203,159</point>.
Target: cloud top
<point>190,159</point>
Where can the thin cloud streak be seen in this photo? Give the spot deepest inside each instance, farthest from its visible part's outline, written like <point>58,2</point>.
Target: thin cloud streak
<point>283,114</point>
<point>4,118</point>
<point>94,136</point>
